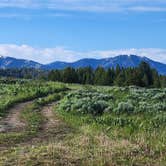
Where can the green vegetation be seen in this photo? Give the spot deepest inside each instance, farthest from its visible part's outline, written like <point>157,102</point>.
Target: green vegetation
<point>15,91</point>
<point>87,125</point>
<point>143,75</point>
<point>135,116</point>
<point>32,116</point>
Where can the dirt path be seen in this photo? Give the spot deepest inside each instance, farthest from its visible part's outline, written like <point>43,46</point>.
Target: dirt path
<point>52,127</point>
<point>50,120</point>
<point>53,124</point>
<point>12,122</point>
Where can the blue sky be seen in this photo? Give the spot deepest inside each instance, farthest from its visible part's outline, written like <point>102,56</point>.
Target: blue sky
<point>50,30</point>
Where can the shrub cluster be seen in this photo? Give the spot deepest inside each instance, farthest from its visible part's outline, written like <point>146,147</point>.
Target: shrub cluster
<point>125,107</point>
<point>86,102</point>
<point>119,106</point>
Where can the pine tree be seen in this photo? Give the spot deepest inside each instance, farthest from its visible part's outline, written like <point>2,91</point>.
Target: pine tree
<point>156,79</point>
<point>89,76</point>
<point>146,74</point>
<point>100,76</point>
<point>110,74</point>
<point>145,81</point>
<point>120,79</point>
<point>69,75</point>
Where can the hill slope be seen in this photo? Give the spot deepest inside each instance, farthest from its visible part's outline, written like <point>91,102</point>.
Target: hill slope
<point>122,60</point>
<point>9,62</point>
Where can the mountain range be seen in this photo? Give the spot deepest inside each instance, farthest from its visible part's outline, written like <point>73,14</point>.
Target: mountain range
<point>121,60</point>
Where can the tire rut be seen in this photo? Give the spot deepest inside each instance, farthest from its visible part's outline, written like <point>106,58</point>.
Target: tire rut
<point>52,128</point>
<point>12,122</point>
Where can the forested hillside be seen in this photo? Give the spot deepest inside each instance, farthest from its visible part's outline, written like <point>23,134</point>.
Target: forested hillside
<point>143,75</point>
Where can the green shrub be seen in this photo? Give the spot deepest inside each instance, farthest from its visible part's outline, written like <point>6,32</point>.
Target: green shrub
<point>124,107</point>
<point>158,120</point>
<point>86,102</point>
<point>160,96</point>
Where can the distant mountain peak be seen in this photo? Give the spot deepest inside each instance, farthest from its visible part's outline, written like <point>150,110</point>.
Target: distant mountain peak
<point>10,62</point>
<point>121,60</point>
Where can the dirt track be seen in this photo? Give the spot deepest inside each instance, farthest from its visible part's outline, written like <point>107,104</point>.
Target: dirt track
<point>13,122</point>
<point>52,128</point>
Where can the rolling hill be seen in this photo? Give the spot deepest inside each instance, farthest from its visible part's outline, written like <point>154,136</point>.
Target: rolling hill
<point>121,60</point>
<point>10,62</point>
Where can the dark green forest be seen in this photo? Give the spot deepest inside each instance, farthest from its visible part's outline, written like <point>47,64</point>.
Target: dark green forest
<point>143,75</point>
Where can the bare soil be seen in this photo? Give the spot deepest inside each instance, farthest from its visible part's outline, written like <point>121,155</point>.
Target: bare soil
<point>12,122</point>
<point>52,128</point>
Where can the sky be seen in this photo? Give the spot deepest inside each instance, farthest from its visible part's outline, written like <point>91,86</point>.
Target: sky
<point>68,30</point>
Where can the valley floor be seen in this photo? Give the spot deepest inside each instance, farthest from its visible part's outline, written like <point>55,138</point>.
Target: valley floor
<point>53,130</point>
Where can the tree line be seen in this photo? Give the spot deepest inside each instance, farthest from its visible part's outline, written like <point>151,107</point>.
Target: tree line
<point>143,75</point>
<point>26,73</point>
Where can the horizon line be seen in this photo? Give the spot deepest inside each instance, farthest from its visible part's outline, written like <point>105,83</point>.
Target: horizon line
<point>129,55</point>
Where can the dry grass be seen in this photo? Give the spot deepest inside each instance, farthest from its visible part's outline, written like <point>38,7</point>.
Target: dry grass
<point>80,149</point>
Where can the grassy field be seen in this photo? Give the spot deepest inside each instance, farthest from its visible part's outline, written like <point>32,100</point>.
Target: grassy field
<point>12,92</point>
<point>68,124</point>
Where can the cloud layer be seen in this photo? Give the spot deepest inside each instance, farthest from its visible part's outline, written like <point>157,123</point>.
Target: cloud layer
<point>89,5</point>
<point>47,55</point>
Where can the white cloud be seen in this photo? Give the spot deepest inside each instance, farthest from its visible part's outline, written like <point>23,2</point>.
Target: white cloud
<point>29,16</point>
<point>47,55</point>
<point>157,54</point>
<point>147,9</point>
<point>42,55</point>
<point>90,5</point>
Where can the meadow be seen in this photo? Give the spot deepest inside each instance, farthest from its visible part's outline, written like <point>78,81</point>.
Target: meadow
<point>71,124</point>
